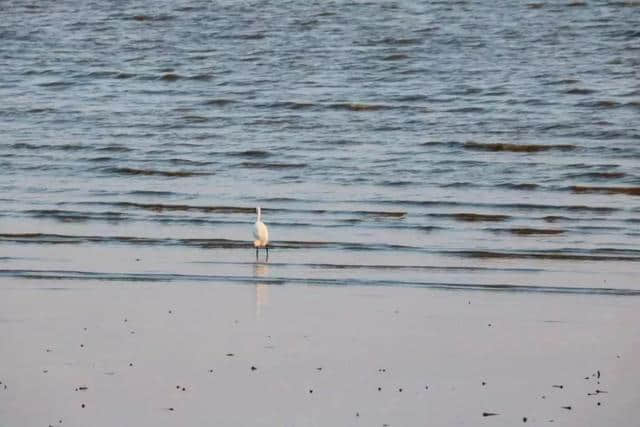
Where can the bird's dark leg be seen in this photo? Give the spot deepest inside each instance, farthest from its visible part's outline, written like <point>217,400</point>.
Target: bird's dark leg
<point>267,248</point>
<point>256,252</point>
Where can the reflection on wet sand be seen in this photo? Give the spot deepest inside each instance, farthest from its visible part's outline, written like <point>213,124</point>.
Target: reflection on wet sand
<point>262,289</point>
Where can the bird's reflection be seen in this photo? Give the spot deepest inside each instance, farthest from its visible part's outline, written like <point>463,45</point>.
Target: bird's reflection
<point>261,270</point>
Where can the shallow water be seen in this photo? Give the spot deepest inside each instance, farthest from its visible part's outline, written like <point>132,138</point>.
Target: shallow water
<point>450,144</point>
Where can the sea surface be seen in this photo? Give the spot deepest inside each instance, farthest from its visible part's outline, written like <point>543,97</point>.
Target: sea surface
<point>490,145</point>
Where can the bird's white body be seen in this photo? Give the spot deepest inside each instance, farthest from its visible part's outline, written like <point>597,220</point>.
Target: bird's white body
<point>260,232</point>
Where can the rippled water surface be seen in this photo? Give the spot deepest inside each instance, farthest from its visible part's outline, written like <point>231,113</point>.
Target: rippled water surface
<point>493,145</point>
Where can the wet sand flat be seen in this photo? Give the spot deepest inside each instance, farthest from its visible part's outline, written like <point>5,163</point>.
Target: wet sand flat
<point>78,353</point>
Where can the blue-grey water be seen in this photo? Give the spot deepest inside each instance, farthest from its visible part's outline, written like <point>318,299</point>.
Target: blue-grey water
<point>493,145</point>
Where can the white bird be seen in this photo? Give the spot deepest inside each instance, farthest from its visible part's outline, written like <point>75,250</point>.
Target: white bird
<point>261,233</point>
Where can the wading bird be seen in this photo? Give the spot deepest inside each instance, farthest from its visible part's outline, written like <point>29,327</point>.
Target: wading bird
<point>261,233</point>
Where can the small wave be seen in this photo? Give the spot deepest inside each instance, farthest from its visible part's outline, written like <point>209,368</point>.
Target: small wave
<point>557,126</point>
<point>626,3</point>
<point>100,74</point>
<point>251,36</point>
<point>39,110</point>
<point>74,216</point>
<point>201,77</point>
<point>292,105</point>
<point>219,102</point>
<point>392,41</point>
<point>114,149</point>
<point>160,207</point>
<point>627,35</point>
<point>189,8</point>
<point>593,255</point>
<point>40,238</point>
<point>517,148</point>
<point>150,172</point>
<point>151,193</point>
<point>632,191</point>
<point>529,231</point>
<point>251,154</point>
<point>555,218</point>
<point>466,110</point>
<point>501,206</point>
<point>188,162</point>
<point>195,119</point>
<point>162,153</point>
<point>528,101</point>
<point>175,277</point>
<point>44,238</point>
<point>332,266</point>
<point>579,91</point>
<point>465,90</point>
<point>170,77</point>
<point>160,17</point>
<point>604,104</point>
<point>382,214</point>
<point>458,184</point>
<point>396,57</point>
<point>519,186</point>
<point>45,147</point>
<point>396,183</point>
<point>355,106</point>
<point>597,175</point>
<point>411,98</point>
<point>474,217</point>
<point>344,142</point>
<point>122,75</point>
<point>243,36</point>
<point>272,165</point>
<point>562,82</point>
<point>56,84</point>
<point>101,159</point>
